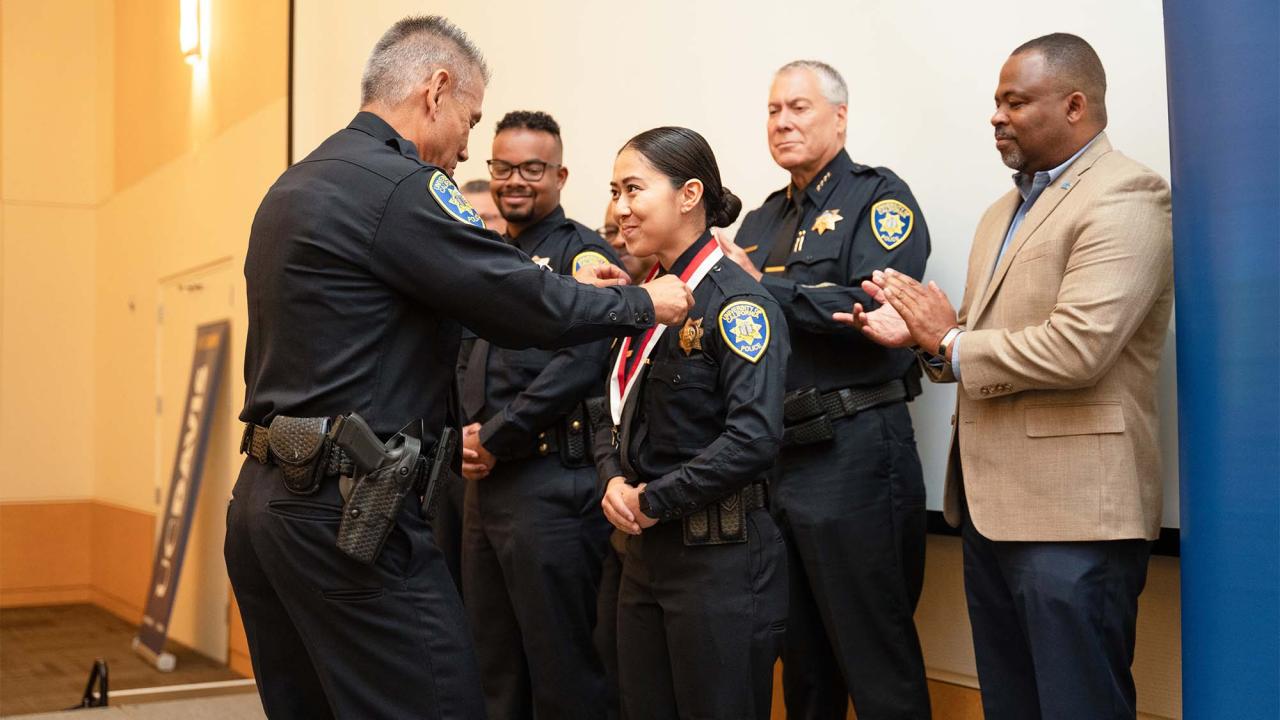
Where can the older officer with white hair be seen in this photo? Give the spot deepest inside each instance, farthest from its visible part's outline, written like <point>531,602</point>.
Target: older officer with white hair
<point>847,489</point>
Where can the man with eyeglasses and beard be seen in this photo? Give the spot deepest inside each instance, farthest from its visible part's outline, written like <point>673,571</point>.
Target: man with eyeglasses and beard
<point>534,537</point>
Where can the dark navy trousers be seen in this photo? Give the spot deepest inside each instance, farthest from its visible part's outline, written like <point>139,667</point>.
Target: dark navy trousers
<point>853,512</point>
<point>534,540</point>
<point>1053,625</point>
<point>332,637</point>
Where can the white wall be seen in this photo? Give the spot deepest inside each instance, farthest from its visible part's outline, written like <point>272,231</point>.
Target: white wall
<point>921,77</point>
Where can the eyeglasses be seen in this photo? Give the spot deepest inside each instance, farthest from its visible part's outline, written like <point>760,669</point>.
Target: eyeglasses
<point>531,170</point>
<point>608,232</point>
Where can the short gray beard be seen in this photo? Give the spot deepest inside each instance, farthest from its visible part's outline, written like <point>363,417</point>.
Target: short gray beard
<point>1014,159</point>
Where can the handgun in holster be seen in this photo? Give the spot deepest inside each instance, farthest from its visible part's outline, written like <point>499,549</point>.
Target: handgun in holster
<point>383,474</point>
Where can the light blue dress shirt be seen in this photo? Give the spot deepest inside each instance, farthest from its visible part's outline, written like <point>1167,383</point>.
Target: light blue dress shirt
<point>1030,187</point>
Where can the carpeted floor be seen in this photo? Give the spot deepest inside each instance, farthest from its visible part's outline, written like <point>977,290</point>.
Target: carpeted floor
<point>46,654</point>
<point>244,706</point>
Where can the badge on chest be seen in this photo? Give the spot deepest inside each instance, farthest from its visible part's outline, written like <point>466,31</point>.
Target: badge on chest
<point>691,336</point>
<point>827,221</point>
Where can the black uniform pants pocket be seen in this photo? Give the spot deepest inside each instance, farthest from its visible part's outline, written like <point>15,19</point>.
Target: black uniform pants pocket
<point>305,510</point>
<point>853,514</point>
<point>331,637</point>
<point>320,520</point>
<point>698,627</point>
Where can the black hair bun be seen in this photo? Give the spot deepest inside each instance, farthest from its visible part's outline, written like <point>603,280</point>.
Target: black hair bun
<point>730,207</point>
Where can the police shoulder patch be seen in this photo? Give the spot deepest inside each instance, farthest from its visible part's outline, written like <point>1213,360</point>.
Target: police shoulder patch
<point>586,259</point>
<point>891,223</point>
<point>451,200</point>
<point>745,329</point>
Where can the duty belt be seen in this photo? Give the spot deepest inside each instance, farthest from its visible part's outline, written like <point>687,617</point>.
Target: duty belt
<point>724,521</point>
<point>807,414</point>
<point>301,447</point>
<point>256,443</point>
<point>570,437</point>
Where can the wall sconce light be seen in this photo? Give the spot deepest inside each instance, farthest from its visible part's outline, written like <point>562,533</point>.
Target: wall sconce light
<point>189,31</point>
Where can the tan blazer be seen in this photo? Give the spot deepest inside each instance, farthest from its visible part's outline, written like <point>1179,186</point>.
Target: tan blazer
<point>1055,424</point>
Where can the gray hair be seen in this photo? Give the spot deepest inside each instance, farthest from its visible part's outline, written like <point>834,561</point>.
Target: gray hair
<point>411,50</point>
<point>832,84</point>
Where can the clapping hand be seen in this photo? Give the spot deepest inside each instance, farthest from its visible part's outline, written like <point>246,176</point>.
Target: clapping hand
<point>910,313</point>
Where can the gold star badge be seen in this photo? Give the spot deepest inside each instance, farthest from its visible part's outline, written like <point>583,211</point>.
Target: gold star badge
<point>827,221</point>
<point>691,336</point>
<point>746,330</point>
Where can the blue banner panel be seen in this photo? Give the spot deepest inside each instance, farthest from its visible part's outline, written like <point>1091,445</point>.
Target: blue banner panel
<point>1223,61</point>
<point>184,488</point>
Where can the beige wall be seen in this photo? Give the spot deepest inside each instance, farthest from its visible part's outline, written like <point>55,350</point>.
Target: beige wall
<point>196,149</point>
<point>54,137</point>
<point>122,166</point>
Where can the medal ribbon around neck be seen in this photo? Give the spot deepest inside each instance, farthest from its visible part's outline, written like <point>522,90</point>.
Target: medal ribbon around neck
<point>623,378</point>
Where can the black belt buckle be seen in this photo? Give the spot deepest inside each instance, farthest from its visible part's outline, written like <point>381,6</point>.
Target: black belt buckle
<point>800,405</point>
<point>848,404</point>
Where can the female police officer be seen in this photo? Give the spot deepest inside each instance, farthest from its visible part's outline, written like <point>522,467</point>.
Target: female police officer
<point>697,412</point>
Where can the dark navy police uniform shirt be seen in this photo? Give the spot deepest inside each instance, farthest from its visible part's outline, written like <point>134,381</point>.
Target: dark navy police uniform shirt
<point>528,391</point>
<point>706,419</point>
<point>816,246</point>
<point>358,278</point>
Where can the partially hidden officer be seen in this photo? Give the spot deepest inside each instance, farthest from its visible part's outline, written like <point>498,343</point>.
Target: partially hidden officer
<point>847,490</point>
<point>363,259</point>
<point>534,537</point>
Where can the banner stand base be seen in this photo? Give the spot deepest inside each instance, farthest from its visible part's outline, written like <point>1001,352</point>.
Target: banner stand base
<point>164,661</point>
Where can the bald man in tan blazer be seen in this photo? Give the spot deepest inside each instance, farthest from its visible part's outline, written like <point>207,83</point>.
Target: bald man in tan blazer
<point>1054,475</point>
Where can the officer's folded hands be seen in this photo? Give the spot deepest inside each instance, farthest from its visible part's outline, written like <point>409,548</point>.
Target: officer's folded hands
<point>621,505</point>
